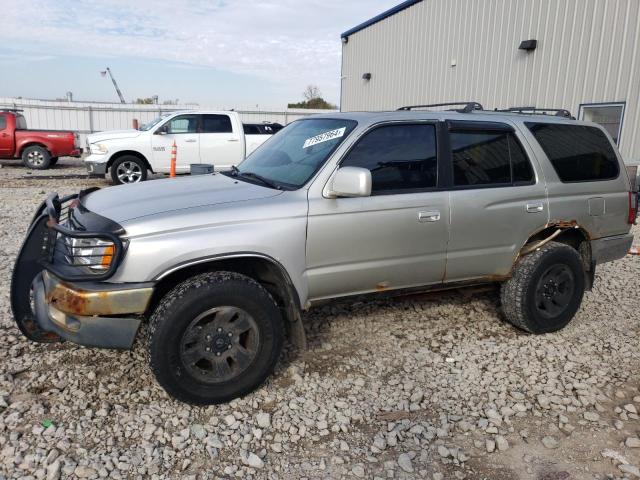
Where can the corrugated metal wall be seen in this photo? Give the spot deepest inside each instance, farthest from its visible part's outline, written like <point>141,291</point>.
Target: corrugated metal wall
<point>588,52</point>
<point>90,117</point>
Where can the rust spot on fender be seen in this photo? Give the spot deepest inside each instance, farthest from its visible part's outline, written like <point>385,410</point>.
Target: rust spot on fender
<point>382,286</point>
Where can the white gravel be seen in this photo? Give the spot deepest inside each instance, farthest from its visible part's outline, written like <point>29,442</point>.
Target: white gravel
<point>431,386</point>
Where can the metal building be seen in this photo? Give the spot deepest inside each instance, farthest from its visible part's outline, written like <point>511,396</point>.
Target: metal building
<point>580,55</point>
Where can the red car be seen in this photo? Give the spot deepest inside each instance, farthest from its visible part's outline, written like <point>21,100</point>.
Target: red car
<point>39,149</point>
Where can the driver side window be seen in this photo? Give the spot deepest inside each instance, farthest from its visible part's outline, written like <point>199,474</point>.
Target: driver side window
<point>401,158</point>
<point>183,124</point>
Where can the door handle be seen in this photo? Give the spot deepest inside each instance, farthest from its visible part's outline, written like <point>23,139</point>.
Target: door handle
<point>190,140</point>
<point>431,216</point>
<point>233,140</point>
<point>535,207</point>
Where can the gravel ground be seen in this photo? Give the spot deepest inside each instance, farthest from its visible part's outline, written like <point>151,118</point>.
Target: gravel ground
<point>430,386</point>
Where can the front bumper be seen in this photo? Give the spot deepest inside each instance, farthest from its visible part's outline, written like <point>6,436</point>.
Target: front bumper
<point>607,249</point>
<point>95,168</point>
<point>98,315</point>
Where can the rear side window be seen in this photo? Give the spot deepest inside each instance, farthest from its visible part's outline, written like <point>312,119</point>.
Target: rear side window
<point>21,122</point>
<point>251,130</point>
<point>3,122</point>
<point>578,153</point>
<point>216,124</point>
<point>489,158</point>
<point>399,157</point>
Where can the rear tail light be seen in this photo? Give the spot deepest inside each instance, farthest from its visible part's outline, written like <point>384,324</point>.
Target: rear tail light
<point>633,208</point>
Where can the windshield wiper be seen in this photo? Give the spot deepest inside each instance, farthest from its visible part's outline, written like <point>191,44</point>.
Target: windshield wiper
<point>260,178</point>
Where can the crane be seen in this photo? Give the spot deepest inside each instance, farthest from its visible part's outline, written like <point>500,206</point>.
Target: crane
<point>104,73</point>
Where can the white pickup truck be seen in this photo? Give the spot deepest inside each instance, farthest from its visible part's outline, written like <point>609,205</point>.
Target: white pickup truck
<point>216,138</point>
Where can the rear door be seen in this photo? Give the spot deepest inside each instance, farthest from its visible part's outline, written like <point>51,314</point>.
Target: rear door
<point>6,137</point>
<point>497,199</point>
<point>182,129</point>
<point>392,239</point>
<point>220,142</point>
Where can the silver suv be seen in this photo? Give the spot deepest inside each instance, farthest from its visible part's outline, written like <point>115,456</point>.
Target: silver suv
<point>221,266</point>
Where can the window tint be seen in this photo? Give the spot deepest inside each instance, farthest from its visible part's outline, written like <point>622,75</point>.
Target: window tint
<point>400,157</point>
<point>21,122</point>
<point>251,130</point>
<point>488,158</point>
<point>578,153</point>
<point>183,124</point>
<point>216,124</point>
<point>3,122</point>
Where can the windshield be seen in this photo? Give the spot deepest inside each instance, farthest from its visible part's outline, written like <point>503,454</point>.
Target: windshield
<point>294,154</point>
<point>147,126</point>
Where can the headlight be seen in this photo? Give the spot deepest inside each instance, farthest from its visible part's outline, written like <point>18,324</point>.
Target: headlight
<point>94,253</point>
<point>98,148</point>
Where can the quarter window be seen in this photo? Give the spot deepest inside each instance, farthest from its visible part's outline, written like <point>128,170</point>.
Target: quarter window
<point>578,153</point>
<point>399,157</point>
<point>488,158</point>
<point>3,122</point>
<point>183,124</point>
<point>216,124</point>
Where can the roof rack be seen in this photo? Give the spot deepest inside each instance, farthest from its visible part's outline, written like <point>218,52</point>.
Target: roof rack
<point>468,106</point>
<point>559,112</point>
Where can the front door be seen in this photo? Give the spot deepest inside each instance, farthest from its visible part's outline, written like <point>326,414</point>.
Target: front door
<point>6,138</point>
<point>396,237</point>
<point>183,130</point>
<point>219,144</point>
<point>497,201</point>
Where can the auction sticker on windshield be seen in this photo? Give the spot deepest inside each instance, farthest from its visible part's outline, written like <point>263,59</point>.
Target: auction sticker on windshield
<point>324,137</point>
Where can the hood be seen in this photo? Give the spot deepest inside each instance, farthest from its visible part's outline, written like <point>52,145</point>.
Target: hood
<point>112,135</point>
<point>126,202</point>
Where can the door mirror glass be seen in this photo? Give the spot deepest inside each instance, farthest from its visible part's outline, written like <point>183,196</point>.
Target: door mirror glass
<point>350,182</point>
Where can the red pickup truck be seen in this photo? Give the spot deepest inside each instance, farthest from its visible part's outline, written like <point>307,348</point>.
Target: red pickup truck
<point>39,149</point>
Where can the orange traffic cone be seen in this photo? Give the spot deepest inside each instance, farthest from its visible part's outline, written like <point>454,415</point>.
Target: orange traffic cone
<point>634,251</point>
<point>174,154</point>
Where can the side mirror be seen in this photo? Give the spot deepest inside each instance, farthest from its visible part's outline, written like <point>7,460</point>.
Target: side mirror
<point>350,182</point>
<point>163,130</point>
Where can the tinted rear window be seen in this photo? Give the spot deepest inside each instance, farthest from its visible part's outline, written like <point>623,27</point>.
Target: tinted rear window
<point>488,158</point>
<point>216,124</point>
<point>578,153</point>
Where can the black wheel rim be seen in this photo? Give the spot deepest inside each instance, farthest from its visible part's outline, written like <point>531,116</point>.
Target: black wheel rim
<point>555,290</point>
<point>219,344</point>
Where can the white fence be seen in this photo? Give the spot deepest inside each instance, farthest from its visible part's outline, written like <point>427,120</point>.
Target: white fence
<point>90,117</point>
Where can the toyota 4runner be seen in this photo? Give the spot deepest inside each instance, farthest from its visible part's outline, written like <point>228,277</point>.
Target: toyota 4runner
<point>221,266</point>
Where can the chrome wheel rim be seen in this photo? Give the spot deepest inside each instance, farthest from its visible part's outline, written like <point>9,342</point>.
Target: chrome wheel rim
<point>219,344</point>
<point>35,158</point>
<point>129,172</point>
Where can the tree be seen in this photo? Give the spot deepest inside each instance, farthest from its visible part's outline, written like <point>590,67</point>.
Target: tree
<point>313,99</point>
<point>145,101</point>
<point>311,92</point>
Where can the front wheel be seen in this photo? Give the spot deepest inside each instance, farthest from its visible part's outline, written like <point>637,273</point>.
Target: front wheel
<point>546,289</point>
<point>128,169</point>
<point>36,157</point>
<point>215,337</point>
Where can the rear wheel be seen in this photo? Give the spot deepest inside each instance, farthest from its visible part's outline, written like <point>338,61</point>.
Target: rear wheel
<point>36,157</point>
<point>215,337</point>
<point>546,289</point>
<point>128,169</point>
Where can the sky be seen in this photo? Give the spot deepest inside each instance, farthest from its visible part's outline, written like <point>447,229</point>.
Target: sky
<point>222,53</point>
